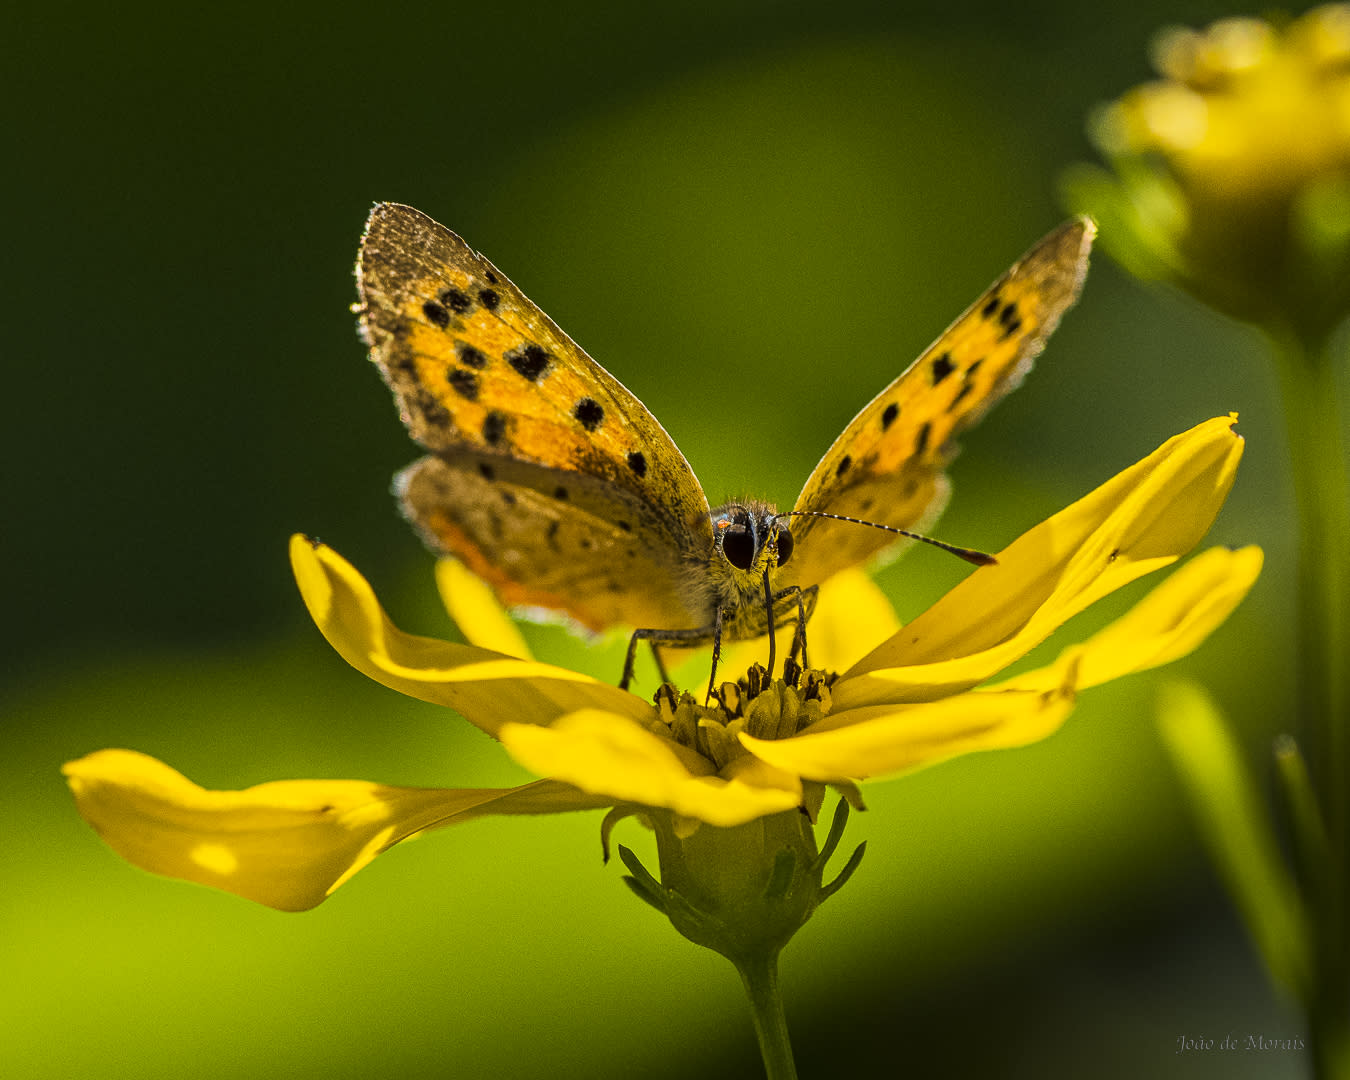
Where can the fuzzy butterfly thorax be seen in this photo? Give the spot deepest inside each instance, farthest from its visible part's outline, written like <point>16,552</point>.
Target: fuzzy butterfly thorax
<point>752,540</point>
<point>553,483</point>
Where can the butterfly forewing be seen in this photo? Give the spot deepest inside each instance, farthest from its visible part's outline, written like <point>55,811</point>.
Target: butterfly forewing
<point>507,403</point>
<point>887,466</point>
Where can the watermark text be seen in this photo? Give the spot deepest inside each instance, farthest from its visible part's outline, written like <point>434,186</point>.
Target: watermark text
<point>1237,1043</point>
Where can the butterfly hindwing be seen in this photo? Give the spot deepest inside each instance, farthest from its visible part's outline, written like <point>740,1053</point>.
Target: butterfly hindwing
<point>887,466</point>
<point>576,547</point>
<point>483,378</point>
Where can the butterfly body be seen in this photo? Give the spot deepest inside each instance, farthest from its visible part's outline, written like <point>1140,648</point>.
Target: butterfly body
<point>551,481</point>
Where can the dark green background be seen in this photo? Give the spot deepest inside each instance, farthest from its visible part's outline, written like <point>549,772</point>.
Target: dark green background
<point>754,215</point>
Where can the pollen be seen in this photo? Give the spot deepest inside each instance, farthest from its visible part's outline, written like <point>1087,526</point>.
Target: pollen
<point>761,707</point>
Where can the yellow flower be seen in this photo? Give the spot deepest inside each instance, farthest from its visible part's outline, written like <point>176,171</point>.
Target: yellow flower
<point>1233,169</point>
<point>763,749</point>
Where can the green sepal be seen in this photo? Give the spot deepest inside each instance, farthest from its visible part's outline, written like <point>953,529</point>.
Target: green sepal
<point>1232,820</point>
<point>1312,845</point>
<point>841,879</point>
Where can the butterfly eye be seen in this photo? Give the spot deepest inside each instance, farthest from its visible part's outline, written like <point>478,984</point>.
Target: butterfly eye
<point>784,544</point>
<point>738,545</point>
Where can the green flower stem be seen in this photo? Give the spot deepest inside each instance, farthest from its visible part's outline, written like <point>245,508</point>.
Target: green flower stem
<point>1311,400</point>
<point>760,976</point>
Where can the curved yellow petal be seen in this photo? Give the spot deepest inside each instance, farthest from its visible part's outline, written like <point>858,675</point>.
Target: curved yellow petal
<point>485,687</point>
<point>606,755</point>
<point>890,739</point>
<point>287,844</point>
<point>1141,520</point>
<point>1171,621</point>
<point>474,607</point>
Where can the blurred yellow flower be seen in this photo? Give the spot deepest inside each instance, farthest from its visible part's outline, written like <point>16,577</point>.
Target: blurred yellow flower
<point>763,748</point>
<point>1230,178</point>
<point>1233,170</point>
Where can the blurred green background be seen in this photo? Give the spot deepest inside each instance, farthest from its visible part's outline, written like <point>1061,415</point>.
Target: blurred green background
<point>754,214</point>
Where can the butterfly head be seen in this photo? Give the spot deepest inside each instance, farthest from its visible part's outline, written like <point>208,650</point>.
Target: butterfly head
<point>752,536</point>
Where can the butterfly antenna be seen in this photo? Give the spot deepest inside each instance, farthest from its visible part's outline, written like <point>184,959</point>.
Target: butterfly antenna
<point>970,555</point>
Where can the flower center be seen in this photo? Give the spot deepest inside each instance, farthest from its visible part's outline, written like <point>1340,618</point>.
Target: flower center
<point>761,707</point>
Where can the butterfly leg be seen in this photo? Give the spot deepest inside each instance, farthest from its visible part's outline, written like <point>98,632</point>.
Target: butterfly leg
<point>660,663</point>
<point>804,597</point>
<point>717,655</point>
<point>688,638</point>
<point>799,638</point>
<point>631,658</point>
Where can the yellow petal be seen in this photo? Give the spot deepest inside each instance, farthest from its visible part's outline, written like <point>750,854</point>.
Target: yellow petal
<point>485,687</point>
<point>1168,623</point>
<point>1139,521</point>
<point>607,755</point>
<point>480,618</point>
<point>888,739</point>
<point>287,844</point>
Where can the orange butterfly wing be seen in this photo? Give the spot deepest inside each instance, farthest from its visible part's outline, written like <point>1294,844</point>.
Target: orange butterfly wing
<point>547,476</point>
<point>887,466</point>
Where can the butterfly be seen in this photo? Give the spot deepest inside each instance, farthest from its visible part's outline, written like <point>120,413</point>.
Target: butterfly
<point>554,484</point>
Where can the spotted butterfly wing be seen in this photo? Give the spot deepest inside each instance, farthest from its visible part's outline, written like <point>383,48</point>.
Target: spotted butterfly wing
<point>546,476</point>
<point>887,466</point>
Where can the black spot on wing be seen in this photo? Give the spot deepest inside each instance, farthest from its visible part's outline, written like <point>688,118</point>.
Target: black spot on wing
<point>530,361</point>
<point>486,471</point>
<point>589,413</point>
<point>401,359</point>
<point>942,367</point>
<point>436,314</point>
<point>1009,319</point>
<point>845,463</point>
<point>560,493</point>
<point>494,428</point>
<point>456,300</point>
<point>463,382</point>
<point>489,298</point>
<point>888,416</point>
<point>637,462</point>
<point>433,412</point>
<point>990,308</point>
<point>921,440</point>
<point>470,356</point>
